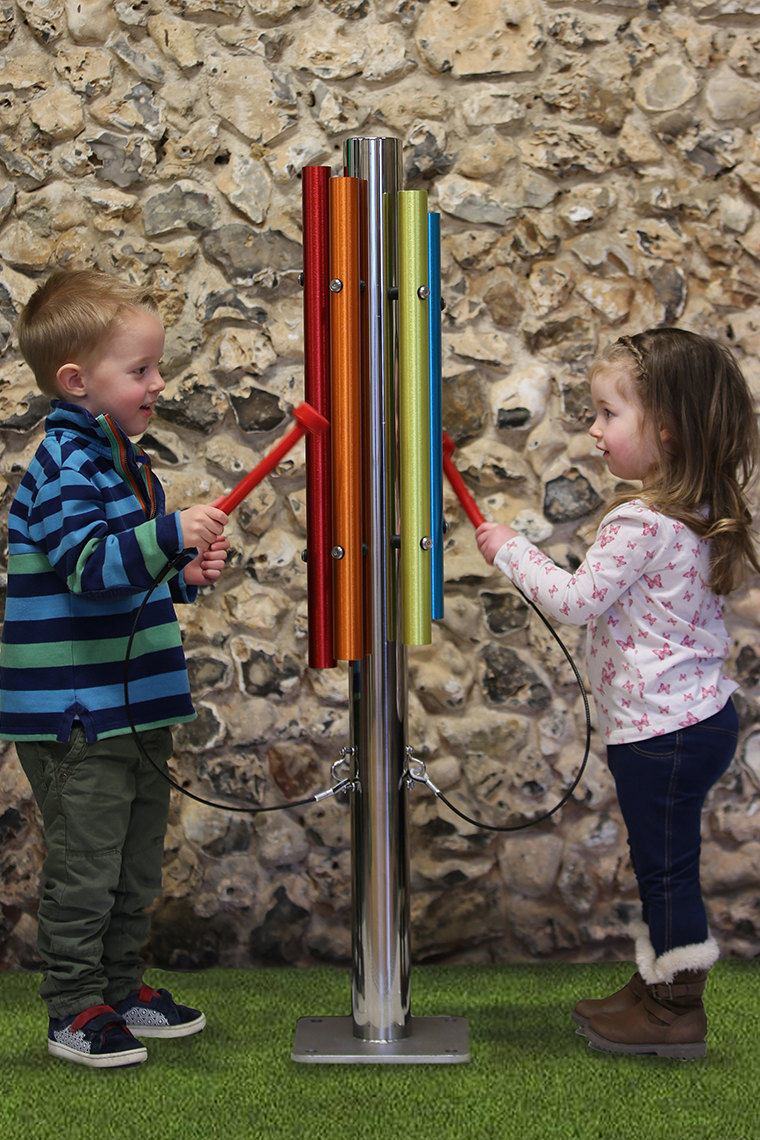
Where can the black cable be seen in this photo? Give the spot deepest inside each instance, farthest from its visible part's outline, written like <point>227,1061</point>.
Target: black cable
<point>164,775</point>
<point>574,785</point>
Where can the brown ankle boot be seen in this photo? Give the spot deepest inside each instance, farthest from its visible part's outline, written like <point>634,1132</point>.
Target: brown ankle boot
<point>630,995</point>
<point>669,1021</point>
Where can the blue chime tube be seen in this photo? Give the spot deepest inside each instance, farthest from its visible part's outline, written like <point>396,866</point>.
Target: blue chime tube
<point>436,413</point>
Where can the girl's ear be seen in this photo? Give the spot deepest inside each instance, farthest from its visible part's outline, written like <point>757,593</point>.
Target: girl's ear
<point>71,380</point>
<point>667,440</point>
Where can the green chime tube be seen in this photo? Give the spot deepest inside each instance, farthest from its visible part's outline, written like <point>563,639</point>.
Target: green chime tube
<point>414,418</point>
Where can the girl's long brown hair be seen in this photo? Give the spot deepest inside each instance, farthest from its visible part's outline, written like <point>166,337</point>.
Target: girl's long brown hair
<point>693,388</point>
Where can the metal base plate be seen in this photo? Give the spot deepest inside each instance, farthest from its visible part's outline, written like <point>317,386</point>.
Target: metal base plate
<point>432,1041</point>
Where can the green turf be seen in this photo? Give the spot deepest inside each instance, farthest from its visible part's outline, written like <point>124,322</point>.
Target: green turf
<point>531,1077</point>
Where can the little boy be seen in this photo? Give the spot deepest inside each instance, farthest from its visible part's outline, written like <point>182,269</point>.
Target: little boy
<point>87,536</point>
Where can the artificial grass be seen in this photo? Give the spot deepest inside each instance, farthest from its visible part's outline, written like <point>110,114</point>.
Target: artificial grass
<point>531,1077</point>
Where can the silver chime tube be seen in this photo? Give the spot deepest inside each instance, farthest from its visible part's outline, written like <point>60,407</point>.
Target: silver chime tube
<point>380,872</point>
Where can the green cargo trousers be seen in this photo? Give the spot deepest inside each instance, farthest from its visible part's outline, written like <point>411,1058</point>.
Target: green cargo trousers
<point>104,810</point>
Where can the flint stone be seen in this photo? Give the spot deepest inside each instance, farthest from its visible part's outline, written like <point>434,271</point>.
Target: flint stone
<point>666,85</point>
<point>295,769</point>
<point>464,406</point>
<point>491,106</point>
<point>22,248</point>
<point>507,677</point>
<point>257,101</point>
<point>192,401</point>
<point>503,301</point>
<point>185,206</point>
<point>566,149</point>
<point>570,339</point>
<point>276,9</point>
<point>145,64</point>
<point>611,297</point>
<point>278,559</point>
<point>576,885</point>
<point>262,674</point>
<point>736,215</point>
<point>337,112</point>
<point>670,285</point>
<point>330,872</point>
<point>550,287</point>
<point>328,824</point>
<point>504,612</point>
<point>307,147</point>
<point>329,48</point>
<point>569,497</point>
<point>26,171</point>
<point>258,611</point>
<point>598,251</point>
<point>174,38</point>
<point>229,8</point>
<point>256,409</point>
<point>541,930</point>
<point>490,37</point>
<point>488,347</point>
<point>636,145</point>
<point>328,938</point>
<point>244,351</point>
<point>7,198</point>
<point>586,206</point>
<point>228,304</point>
<point>120,159</point>
<point>347,9</point>
<point>7,22</point>
<point>88,70</point>
<point>602,95</point>
<point>530,863</point>
<point>425,151</point>
<point>278,939</point>
<point>520,401</point>
<point>463,916</point>
<point>728,96</point>
<point>208,670</point>
<point>471,201</point>
<point>246,185</point>
<point>442,686</point>
<point>280,841</point>
<point>486,155</point>
<point>249,257</point>
<point>56,206</point>
<point>386,57</point>
<point>90,20</point>
<point>205,732</point>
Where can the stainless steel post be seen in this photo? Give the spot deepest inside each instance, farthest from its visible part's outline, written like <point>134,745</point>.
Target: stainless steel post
<point>381,1028</point>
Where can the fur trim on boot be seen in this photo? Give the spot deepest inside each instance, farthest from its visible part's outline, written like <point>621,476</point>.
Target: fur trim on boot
<point>698,956</point>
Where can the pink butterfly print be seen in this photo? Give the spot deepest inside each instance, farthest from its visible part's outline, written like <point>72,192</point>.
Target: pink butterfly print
<point>626,704</point>
<point>655,580</point>
<point>641,724</point>
<point>664,709</point>
<point>605,642</point>
<point>687,596</point>
<point>630,545</point>
<point>608,534</point>
<point>688,642</point>
<point>682,677</point>
<point>565,609</point>
<point>600,594</point>
<point>553,590</point>
<point>650,528</point>
<point>678,546</point>
<point>627,644</point>
<point>619,723</point>
<point>692,574</point>
<point>688,697</point>
<point>613,621</point>
<point>690,719</point>
<point>620,560</point>
<point>643,634</point>
<point>670,566</point>
<point>699,672</point>
<point>666,651</point>
<point>678,526</point>
<point>628,686</point>
<point>664,688</point>
<point>711,692</point>
<point>667,605</point>
<point>650,618</point>
<point>594,651</point>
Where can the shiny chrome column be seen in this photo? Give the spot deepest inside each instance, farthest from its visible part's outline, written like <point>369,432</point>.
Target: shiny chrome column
<point>380,989</point>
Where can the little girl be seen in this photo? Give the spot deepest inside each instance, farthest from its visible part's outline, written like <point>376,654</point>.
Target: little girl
<point>674,412</point>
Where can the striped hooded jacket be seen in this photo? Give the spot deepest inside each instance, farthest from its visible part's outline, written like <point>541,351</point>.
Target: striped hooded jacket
<point>87,534</point>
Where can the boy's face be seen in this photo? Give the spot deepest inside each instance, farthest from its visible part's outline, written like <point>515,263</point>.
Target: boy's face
<point>121,376</point>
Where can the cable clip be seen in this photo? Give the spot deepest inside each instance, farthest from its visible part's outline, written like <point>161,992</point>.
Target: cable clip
<point>341,786</point>
<point>343,759</point>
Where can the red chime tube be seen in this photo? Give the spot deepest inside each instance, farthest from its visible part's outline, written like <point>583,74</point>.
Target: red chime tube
<point>316,273</point>
<point>345,401</point>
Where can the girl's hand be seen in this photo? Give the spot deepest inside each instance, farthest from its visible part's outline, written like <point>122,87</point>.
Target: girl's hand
<point>201,525</point>
<point>490,538</point>
<point>208,565</point>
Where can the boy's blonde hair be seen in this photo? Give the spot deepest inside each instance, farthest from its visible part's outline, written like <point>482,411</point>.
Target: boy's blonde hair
<point>69,315</point>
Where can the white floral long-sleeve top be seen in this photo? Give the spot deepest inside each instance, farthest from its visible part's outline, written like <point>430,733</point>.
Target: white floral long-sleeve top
<point>656,638</point>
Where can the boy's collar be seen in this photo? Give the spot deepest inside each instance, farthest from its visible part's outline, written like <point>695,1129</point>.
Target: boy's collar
<point>63,414</point>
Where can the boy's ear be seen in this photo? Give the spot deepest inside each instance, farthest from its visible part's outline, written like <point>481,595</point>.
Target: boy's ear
<point>71,380</point>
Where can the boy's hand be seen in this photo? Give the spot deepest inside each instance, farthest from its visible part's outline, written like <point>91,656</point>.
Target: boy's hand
<point>490,538</point>
<point>201,525</point>
<point>208,565</point>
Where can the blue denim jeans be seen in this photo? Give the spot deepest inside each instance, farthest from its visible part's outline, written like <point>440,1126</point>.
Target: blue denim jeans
<point>661,786</point>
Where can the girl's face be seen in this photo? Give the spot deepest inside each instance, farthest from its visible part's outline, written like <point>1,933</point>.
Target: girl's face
<point>621,431</point>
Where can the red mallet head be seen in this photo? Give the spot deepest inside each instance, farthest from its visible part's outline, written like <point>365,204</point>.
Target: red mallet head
<point>311,419</point>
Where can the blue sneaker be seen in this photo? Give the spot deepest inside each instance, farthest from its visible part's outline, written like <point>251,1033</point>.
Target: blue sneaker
<point>97,1036</point>
<point>154,1013</point>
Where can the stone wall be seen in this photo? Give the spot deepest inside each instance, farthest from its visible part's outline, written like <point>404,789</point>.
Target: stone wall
<point>598,171</point>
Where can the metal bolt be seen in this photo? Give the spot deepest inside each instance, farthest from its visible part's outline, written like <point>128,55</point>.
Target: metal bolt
<point>304,556</point>
<point>300,279</point>
<point>337,552</point>
<point>336,285</point>
<point>423,292</point>
<point>426,543</point>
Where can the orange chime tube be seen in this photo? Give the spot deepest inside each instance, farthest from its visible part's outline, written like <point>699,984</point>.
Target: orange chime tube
<point>345,401</point>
